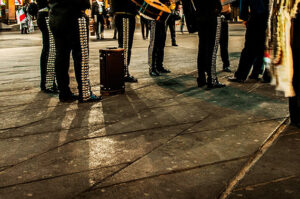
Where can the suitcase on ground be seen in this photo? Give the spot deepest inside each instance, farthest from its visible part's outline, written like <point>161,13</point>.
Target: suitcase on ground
<point>112,71</point>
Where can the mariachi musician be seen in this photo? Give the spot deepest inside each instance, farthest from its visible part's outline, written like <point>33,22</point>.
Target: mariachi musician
<point>48,51</point>
<point>98,14</point>
<point>69,25</point>
<point>203,17</point>
<point>125,12</point>
<point>157,46</point>
<point>172,20</point>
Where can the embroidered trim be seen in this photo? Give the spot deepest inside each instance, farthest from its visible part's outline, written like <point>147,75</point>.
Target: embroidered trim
<point>83,37</point>
<point>50,71</point>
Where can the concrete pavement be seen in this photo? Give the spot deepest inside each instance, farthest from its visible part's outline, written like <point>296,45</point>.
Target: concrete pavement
<point>164,138</point>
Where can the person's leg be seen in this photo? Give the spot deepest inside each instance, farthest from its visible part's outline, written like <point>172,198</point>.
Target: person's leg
<point>258,67</point>
<point>172,31</point>
<point>152,50</point>
<point>41,21</point>
<point>142,27</point>
<point>147,23</point>
<point>251,50</point>
<point>294,108</point>
<point>80,53</point>
<point>126,27</point>
<point>58,27</point>
<point>213,37</point>
<point>201,63</point>
<point>224,45</point>
<point>97,28</point>
<point>182,24</point>
<point>50,75</point>
<point>160,40</point>
<point>102,26</point>
<point>130,37</point>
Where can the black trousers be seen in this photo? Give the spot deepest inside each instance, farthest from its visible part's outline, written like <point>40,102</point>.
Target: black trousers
<point>294,102</point>
<point>209,37</point>
<point>99,25</point>
<point>71,35</point>
<point>145,25</point>
<point>157,45</point>
<point>254,47</point>
<point>126,26</point>
<point>171,25</point>
<point>224,43</point>
<point>47,59</point>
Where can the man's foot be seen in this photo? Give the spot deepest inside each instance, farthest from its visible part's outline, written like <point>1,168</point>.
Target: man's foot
<point>153,72</point>
<point>216,84</point>
<point>201,81</point>
<point>234,79</point>
<point>67,97</point>
<point>114,38</point>
<point>227,69</point>
<point>131,79</point>
<point>174,44</point>
<point>254,77</point>
<point>51,91</point>
<point>163,70</point>
<point>92,98</point>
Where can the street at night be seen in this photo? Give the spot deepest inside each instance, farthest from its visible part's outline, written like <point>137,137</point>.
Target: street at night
<point>163,138</point>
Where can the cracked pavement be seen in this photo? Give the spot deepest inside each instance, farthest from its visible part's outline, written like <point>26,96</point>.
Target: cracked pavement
<point>164,138</point>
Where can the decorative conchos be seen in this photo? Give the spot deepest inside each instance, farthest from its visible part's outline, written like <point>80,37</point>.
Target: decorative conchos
<point>83,37</point>
<point>126,43</point>
<point>50,71</point>
<point>151,45</point>
<point>215,51</point>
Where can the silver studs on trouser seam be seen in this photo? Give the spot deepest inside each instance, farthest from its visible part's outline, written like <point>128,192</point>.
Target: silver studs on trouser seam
<point>126,43</point>
<point>83,37</point>
<point>215,51</point>
<point>151,45</point>
<point>50,71</point>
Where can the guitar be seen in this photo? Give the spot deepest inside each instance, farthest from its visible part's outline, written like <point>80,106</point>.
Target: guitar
<point>153,9</point>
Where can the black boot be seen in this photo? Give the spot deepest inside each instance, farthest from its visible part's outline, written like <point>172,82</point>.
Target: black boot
<point>92,98</point>
<point>214,83</point>
<point>131,79</point>
<point>153,72</point>
<point>67,97</point>
<point>161,69</point>
<point>201,82</point>
<point>174,43</point>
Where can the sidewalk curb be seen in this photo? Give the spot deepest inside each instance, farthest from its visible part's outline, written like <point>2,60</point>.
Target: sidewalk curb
<point>254,158</point>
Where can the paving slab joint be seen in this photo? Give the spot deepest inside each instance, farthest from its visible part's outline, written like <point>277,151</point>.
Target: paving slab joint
<point>254,158</point>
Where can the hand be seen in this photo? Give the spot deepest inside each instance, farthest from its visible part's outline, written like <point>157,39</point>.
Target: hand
<point>245,23</point>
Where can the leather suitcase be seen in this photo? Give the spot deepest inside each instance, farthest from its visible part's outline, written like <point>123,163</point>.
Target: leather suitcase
<point>112,71</point>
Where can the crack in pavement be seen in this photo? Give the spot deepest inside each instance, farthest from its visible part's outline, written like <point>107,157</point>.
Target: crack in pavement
<point>24,125</point>
<point>235,125</point>
<point>175,171</point>
<point>90,138</point>
<point>254,159</point>
<point>250,187</point>
<point>63,175</point>
<point>144,155</point>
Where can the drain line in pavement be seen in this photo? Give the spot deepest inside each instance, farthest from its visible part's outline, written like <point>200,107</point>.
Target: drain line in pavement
<point>254,158</point>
